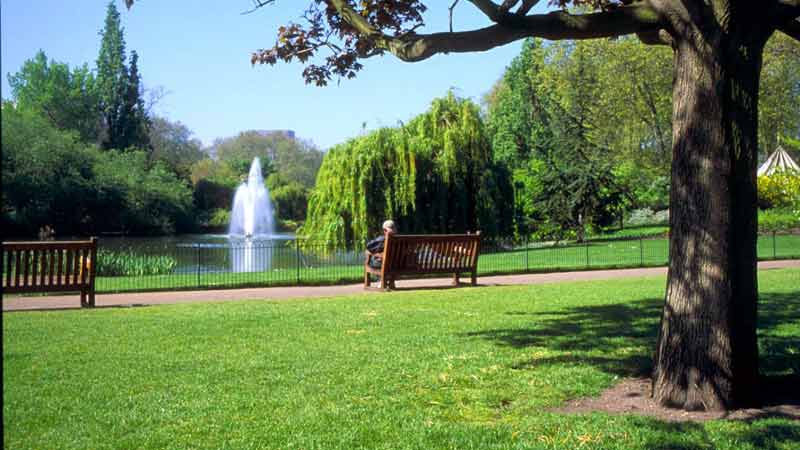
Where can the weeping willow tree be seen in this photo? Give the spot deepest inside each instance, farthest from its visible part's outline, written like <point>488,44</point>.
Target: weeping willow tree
<point>432,175</point>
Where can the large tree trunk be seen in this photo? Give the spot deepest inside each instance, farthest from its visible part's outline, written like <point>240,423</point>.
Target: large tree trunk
<point>706,356</point>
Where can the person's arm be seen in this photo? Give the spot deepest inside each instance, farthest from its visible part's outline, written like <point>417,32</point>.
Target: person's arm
<point>376,245</point>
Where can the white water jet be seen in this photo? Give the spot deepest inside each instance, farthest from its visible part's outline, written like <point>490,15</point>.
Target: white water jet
<point>252,213</point>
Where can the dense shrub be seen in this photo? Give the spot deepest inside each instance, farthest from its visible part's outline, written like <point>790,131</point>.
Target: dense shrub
<point>47,174</point>
<point>220,218</point>
<point>291,201</point>
<point>138,198</point>
<point>778,220</point>
<point>52,178</point>
<point>780,190</point>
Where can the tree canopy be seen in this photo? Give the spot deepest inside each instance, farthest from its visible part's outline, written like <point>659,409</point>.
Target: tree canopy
<point>435,174</point>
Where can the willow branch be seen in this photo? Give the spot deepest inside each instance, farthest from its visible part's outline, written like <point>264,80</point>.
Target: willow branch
<point>636,18</point>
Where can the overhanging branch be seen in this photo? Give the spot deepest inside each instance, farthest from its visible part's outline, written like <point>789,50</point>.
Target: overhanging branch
<point>631,19</point>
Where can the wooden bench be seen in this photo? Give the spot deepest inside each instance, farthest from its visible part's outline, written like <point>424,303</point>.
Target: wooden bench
<point>50,266</point>
<point>406,255</point>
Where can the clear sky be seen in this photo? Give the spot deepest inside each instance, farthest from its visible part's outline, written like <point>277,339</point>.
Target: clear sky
<point>198,52</point>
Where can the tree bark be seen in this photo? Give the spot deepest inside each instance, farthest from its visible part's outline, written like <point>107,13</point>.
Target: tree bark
<point>706,356</point>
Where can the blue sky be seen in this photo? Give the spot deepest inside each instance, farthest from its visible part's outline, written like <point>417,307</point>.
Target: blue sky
<point>198,52</point>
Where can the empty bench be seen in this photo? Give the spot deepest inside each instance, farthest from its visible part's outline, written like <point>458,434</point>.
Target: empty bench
<point>410,255</point>
<point>50,266</point>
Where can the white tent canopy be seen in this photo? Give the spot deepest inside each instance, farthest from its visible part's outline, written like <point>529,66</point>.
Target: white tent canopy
<point>778,161</point>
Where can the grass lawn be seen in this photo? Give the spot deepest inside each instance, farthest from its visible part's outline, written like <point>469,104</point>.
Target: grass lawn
<point>471,368</point>
<point>596,255</point>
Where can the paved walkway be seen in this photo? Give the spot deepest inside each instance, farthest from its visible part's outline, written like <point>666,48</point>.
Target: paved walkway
<point>17,303</point>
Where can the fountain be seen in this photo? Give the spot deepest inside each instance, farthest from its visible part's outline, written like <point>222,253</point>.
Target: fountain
<point>252,208</point>
<point>252,225</point>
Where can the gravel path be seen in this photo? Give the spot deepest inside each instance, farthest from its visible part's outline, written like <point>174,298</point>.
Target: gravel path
<point>18,303</point>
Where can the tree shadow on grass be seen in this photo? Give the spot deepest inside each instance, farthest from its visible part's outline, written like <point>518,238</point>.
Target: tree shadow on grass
<point>620,338</point>
<point>573,332</point>
<point>694,436</point>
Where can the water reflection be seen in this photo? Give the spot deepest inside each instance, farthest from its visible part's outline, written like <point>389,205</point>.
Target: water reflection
<point>251,255</point>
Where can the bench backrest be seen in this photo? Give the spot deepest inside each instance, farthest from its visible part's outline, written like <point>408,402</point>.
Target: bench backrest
<point>48,266</point>
<point>431,253</point>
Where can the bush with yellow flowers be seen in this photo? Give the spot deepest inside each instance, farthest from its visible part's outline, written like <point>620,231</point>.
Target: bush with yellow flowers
<point>780,190</point>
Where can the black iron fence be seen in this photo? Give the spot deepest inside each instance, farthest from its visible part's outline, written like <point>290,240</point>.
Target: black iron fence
<point>228,264</point>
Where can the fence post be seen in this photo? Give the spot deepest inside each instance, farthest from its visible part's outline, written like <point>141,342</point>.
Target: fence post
<point>197,246</point>
<point>527,249</point>
<point>774,249</point>
<point>586,243</point>
<point>297,257</point>
<point>641,251</point>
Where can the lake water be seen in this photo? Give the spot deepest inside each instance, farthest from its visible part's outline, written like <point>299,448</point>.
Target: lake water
<point>215,253</point>
<point>210,253</point>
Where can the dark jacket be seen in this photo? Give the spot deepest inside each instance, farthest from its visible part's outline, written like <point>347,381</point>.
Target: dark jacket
<point>376,245</point>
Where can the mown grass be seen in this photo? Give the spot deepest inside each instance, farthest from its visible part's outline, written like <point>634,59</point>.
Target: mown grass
<point>471,368</point>
<point>593,255</point>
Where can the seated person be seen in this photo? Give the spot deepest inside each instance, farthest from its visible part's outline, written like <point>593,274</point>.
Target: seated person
<point>375,246</point>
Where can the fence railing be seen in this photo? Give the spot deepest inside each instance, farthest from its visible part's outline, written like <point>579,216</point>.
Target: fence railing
<point>303,262</point>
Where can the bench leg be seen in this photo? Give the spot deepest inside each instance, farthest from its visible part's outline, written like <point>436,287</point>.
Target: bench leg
<point>366,279</point>
<point>91,299</point>
<point>391,283</point>
<point>84,303</point>
<point>455,279</point>
<point>474,280</point>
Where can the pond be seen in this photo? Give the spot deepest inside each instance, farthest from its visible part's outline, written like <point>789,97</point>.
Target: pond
<point>215,252</point>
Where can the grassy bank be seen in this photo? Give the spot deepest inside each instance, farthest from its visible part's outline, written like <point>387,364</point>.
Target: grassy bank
<point>467,368</point>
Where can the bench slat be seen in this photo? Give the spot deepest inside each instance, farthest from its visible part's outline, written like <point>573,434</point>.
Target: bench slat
<point>60,273</point>
<point>8,268</point>
<point>52,267</point>
<point>35,263</point>
<point>26,258</point>
<point>58,245</point>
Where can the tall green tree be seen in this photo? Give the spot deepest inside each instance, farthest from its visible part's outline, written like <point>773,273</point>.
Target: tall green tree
<point>511,105</point>
<point>135,122</point>
<point>542,118</point>
<point>65,97</point>
<point>779,99</point>
<point>121,107</point>
<point>173,144</point>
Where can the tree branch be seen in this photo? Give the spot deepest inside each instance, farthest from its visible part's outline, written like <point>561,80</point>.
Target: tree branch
<point>791,28</point>
<point>488,8</point>
<point>655,37</point>
<point>636,18</point>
